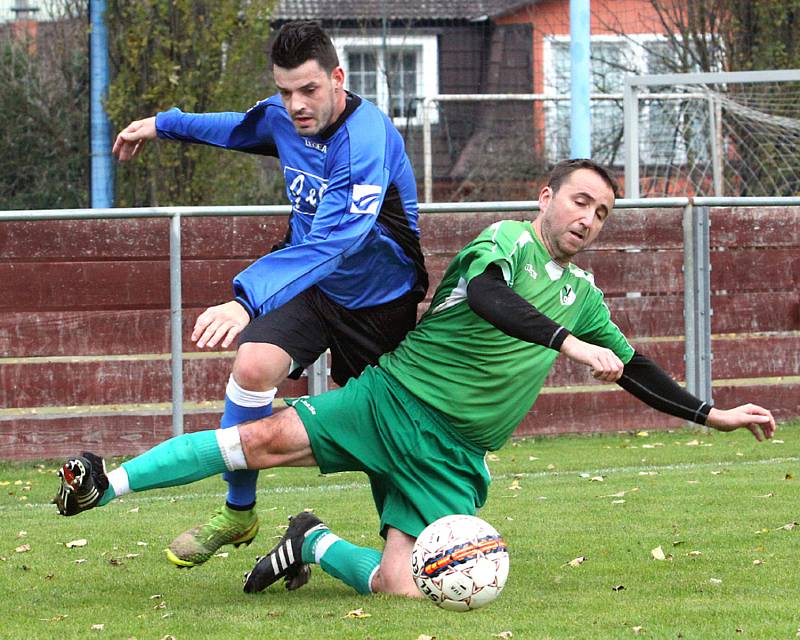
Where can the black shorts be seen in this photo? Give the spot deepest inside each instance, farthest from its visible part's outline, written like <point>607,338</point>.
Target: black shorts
<point>310,323</point>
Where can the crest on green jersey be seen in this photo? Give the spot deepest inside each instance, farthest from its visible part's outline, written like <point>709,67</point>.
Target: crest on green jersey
<point>567,295</point>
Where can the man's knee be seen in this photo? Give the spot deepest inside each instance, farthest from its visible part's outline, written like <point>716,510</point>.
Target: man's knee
<point>394,575</point>
<point>279,440</point>
<point>259,366</point>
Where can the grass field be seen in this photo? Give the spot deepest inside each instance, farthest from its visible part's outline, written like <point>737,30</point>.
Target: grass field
<point>722,508</point>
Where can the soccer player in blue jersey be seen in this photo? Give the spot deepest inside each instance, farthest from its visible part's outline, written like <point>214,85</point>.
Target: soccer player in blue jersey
<point>350,273</point>
<point>421,422</point>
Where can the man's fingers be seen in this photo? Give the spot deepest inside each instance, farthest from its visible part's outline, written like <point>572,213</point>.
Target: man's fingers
<point>753,428</point>
<point>229,337</point>
<point>200,326</point>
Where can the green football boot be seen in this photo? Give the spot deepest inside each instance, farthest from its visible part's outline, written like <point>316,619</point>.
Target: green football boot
<point>200,543</point>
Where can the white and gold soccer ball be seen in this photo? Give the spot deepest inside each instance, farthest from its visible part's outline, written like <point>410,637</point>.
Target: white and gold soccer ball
<point>460,562</point>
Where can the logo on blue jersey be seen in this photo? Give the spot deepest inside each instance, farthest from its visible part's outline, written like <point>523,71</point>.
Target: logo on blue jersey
<point>366,198</point>
<point>305,190</point>
<point>319,146</point>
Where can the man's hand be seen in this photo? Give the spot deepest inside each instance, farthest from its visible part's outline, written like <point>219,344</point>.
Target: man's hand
<point>223,322</point>
<point>604,363</point>
<point>757,420</point>
<point>131,139</point>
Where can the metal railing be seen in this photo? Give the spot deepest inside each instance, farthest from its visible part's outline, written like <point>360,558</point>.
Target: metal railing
<point>697,296</point>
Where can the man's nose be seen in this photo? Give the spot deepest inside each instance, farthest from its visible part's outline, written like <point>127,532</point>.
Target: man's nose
<point>296,104</point>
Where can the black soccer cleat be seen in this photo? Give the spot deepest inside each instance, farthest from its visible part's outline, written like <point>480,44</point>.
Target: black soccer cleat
<point>83,482</point>
<point>286,558</point>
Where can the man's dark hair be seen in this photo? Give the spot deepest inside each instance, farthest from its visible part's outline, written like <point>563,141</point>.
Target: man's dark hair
<point>301,41</point>
<point>565,168</point>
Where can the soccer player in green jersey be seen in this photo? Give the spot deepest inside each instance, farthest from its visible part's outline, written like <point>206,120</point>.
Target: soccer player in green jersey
<point>420,423</point>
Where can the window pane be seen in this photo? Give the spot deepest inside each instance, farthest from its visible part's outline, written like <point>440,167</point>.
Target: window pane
<point>402,75</point>
<point>363,69</point>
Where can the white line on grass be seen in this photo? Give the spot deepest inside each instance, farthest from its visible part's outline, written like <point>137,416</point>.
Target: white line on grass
<point>345,486</point>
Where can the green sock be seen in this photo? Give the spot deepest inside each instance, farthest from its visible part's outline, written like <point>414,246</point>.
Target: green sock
<point>180,460</point>
<point>350,563</point>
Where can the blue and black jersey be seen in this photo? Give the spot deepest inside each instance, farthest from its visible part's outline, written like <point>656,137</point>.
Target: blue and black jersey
<point>353,230</point>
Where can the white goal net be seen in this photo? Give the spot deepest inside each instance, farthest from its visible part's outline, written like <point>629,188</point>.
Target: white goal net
<point>716,138</point>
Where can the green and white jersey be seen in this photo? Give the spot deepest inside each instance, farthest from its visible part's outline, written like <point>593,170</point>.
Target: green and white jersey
<point>481,379</point>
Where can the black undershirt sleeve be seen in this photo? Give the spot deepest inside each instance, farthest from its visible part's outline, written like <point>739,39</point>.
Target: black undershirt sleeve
<point>644,379</point>
<point>490,297</point>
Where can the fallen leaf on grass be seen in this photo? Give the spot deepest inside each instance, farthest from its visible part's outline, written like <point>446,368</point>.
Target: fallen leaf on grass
<point>223,554</point>
<point>658,554</point>
<point>422,636</point>
<point>132,555</point>
<point>493,457</point>
<point>620,494</point>
<point>98,627</point>
<point>134,510</point>
<point>767,495</point>
<point>787,527</point>
<point>617,502</point>
<point>693,443</point>
<point>22,534</point>
<point>637,630</point>
<point>715,581</point>
<point>695,553</point>
<point>648,473</point>
<point>618,587</point>
<point>505,635</point>
<point>597,479</point>
<point>357,613</point>
<point>642,434</point>
<point>82,542</point>
<point>758,562</point>
<point>576,562</point>
<point>115,562</point>
<point>160,605</point>
<point>23,548</point>
<point>788,476</point>
<point>80,561</point>
<point>776,441</point>
<point>141,544</point>
<point>168,638</point>
<point>156,596</point>
<point>514,486</point>
<point>57,618</point>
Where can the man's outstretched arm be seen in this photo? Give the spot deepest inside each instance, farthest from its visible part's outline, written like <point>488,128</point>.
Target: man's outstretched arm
<point>644,379</point>
<point>493,300</point>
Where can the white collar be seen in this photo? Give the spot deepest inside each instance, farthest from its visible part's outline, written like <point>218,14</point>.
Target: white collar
<point>554,270</point>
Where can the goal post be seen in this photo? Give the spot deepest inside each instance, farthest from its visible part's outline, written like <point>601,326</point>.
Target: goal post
<point>723,134</point>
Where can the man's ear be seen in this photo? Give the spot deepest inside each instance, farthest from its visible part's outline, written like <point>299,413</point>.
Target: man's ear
<point>337,76</point>
<point>545,196</point>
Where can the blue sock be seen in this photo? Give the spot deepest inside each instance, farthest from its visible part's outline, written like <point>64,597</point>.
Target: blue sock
<point>350,563</point>
<point>243,406</point>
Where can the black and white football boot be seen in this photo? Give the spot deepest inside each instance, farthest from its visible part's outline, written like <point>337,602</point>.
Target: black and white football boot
<point>286,558</point>
<point>83,482</point>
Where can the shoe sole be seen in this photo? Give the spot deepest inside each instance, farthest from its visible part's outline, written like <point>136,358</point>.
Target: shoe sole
<point>245,540</point>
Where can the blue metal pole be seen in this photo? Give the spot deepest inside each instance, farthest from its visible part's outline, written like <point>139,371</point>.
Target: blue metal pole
<point>580,79</point>
<point>102,177</point>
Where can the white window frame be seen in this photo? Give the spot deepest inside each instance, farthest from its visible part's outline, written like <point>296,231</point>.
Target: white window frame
<point>637,55</point>
<point>427,49</point>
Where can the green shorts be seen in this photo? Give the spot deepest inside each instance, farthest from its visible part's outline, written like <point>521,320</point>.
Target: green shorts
<point>419,467</point>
